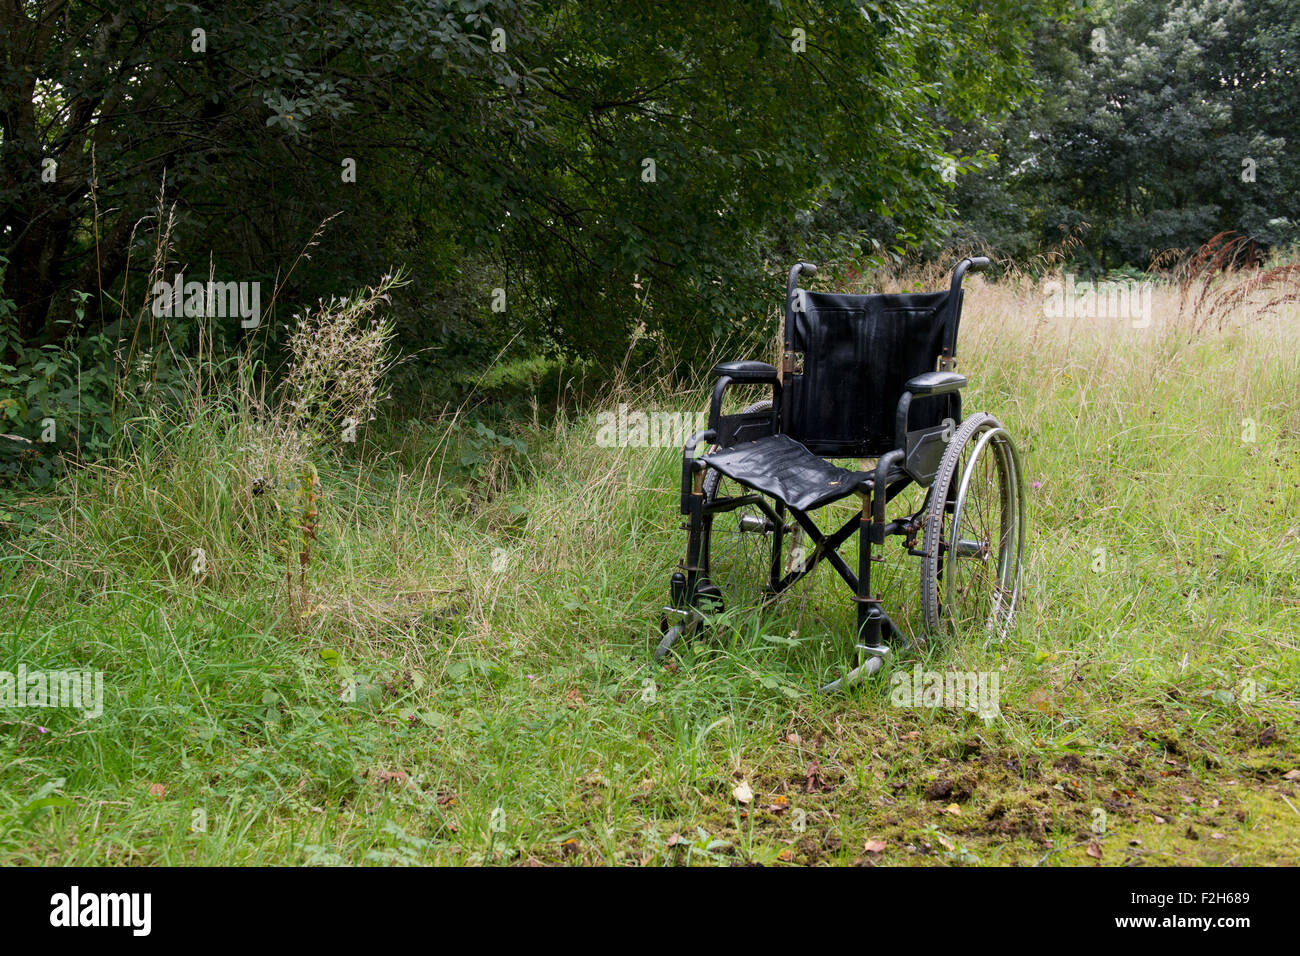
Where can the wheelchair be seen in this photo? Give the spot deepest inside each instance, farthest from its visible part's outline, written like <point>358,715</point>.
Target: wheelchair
<point>869,380</point>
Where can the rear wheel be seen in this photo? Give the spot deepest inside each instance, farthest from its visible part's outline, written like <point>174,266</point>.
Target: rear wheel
<point>974,533</point>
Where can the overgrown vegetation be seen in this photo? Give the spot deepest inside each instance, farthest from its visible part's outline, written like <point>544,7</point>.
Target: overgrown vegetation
<point>463,671</point>
<point>366,586</point>
<point>585,159</point>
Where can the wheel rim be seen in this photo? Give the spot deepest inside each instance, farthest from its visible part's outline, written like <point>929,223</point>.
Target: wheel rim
<point>984,545</point>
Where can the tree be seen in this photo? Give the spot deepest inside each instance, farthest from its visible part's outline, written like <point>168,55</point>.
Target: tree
<point>1159,126</point>
<point>606,164</point>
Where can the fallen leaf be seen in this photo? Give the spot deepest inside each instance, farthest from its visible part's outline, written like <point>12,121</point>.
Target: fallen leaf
<point>1040,699</point>
<point>1291,775</point>
<point>875,846</point>
<point>945,843</point>
<point>1094,850</point>
<point>673,840</point>
<point>1159,818</point>
<point>953,808</point>
<point>1216,836</point>
<point>743,792</point>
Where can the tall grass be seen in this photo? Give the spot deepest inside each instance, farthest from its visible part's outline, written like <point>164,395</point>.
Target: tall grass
<point>463,674</point>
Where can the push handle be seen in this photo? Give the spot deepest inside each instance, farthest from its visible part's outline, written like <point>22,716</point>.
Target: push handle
<point>808,269</point>
<point>790,283</point>
<point>969,264</point>
<point>787,356</point>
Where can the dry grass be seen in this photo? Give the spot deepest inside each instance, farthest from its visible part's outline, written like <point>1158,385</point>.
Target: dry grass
<point>492,645</point>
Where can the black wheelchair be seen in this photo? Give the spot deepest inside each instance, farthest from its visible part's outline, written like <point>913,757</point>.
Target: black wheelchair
<point>869,380</point>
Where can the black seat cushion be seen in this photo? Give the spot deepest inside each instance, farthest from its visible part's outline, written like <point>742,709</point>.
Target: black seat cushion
<point>779,466</point>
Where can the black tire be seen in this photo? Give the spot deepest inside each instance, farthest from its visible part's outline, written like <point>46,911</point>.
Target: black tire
<point>980,485</point>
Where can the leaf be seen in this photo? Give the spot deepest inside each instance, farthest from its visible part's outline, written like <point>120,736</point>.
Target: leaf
<point>1094,850</point>
<point>44,802</point>
<point>1291,775</point>
<point>743,793</point>
<point>1040,700</point>
<point>875,846</point>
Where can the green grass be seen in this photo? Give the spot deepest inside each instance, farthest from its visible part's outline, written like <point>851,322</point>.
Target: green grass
<point>468,678</point>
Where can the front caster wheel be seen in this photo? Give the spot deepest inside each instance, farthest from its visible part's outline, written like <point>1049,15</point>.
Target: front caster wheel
<point>670,638</point>
<point>854,677</point>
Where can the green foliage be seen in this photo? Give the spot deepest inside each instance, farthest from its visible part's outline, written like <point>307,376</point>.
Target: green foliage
<point>55,399</point>
<point>1158,126</point>
<point>437,705</point>
<point>497,145</point>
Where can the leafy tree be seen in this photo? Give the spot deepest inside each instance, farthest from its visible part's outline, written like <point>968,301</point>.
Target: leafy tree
<point>608,165</point>
<point>1158,126</point>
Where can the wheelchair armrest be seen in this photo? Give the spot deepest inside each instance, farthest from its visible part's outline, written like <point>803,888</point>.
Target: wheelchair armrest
<point>746,372</point>
<point>935,383</point>
<point>742,373</point>
<point>927,385</point>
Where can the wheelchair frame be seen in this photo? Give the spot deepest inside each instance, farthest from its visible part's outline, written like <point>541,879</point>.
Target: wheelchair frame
<point>917,455</point>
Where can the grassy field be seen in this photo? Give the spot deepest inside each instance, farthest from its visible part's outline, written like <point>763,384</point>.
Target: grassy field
<point>464,675</point>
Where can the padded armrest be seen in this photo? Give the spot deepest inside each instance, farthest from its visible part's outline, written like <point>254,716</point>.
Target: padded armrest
<point>746,371</point>
<point>935,383</point>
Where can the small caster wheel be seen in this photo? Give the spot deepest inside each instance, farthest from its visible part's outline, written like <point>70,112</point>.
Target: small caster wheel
<point>669,639</point>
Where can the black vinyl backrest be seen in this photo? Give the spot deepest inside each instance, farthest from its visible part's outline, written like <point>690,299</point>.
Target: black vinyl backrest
<point>858,351</point>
